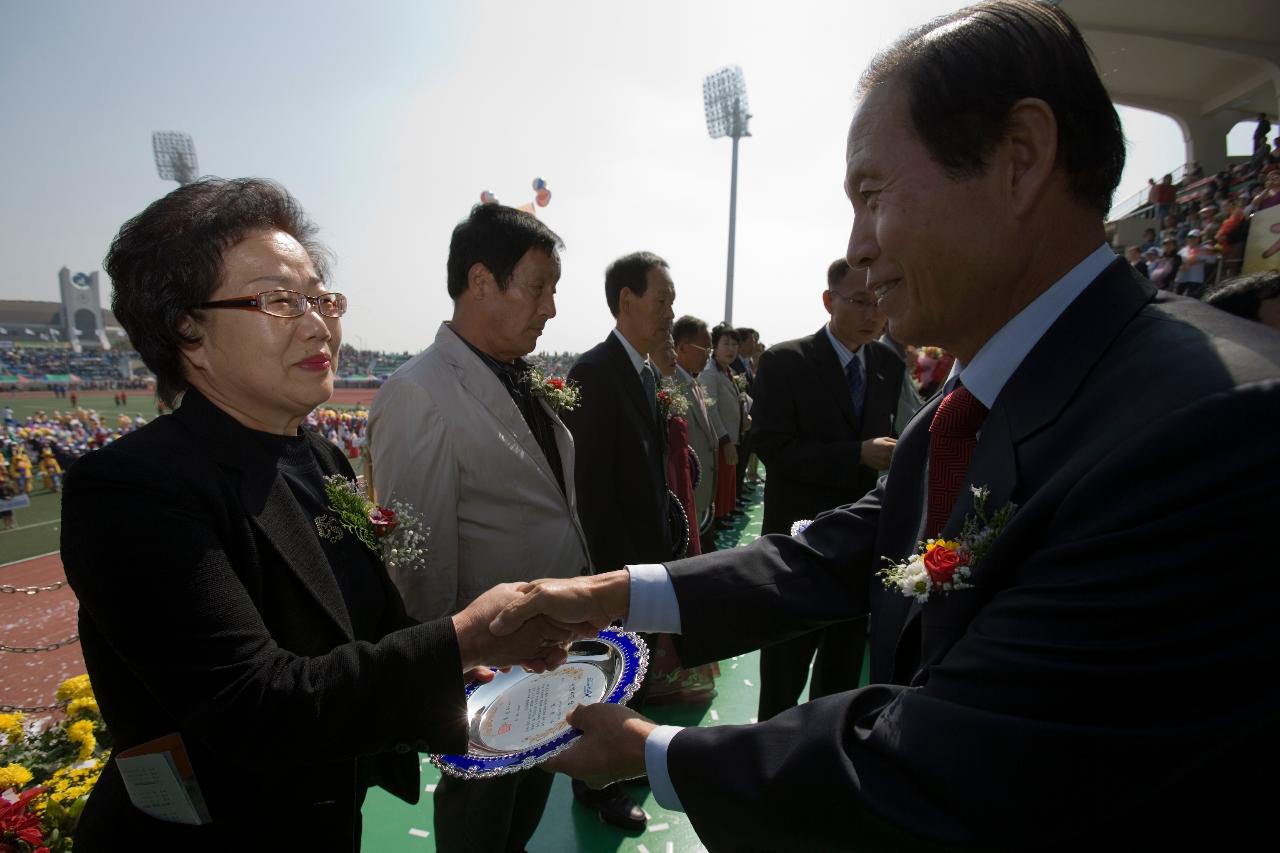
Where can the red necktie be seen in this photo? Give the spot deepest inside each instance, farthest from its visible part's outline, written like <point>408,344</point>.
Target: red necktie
<point>953,434</point>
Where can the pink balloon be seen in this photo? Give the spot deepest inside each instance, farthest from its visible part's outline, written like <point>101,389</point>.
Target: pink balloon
<point>543,197</point>
<point>487,197</point>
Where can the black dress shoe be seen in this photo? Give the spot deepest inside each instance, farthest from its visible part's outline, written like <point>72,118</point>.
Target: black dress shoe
<point>613,804</point>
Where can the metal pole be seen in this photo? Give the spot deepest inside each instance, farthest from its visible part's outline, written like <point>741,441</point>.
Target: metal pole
<point>733,213</point>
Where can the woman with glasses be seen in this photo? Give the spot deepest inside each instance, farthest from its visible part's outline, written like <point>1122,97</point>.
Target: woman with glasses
<point>233,622</point>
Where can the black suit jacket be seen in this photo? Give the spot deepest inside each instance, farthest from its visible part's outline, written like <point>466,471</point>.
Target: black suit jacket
<point>1105,684</point>
<point>806,433</point>
<point>620,470</point>
<point>208,608</point>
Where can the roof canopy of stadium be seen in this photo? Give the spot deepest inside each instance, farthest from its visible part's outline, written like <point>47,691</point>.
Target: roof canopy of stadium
<point>1208,66</point>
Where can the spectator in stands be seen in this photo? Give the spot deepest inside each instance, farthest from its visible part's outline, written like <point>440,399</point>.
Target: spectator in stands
<point>1255,297</point>
<point>1198,264</point>
<point>1260,135</point>
<point>1270,194</point>
<point>1135,257</point>
<point>234,609</point>
<point>1195,171</point>
<point>1164,195</point>
<point>1149,240</point>
<point>1164,269</point>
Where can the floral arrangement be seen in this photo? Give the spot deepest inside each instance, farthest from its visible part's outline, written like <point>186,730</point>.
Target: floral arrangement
<point>932,365</point>
<point>740,382</point>
<point>671,402</point>
<point>941,566</point>
<point>393,532</point>
<point>47,770</point>
<point>562,395</point>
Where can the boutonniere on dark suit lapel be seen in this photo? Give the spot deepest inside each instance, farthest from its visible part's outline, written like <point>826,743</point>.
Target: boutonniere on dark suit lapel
<point>942,566</point>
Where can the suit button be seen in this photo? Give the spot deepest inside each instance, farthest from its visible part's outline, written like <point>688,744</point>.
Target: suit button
<point>585,571</point>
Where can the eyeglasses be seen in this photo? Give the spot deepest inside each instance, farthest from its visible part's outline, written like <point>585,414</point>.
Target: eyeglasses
<point>866,303</point>
<point>286,303</point>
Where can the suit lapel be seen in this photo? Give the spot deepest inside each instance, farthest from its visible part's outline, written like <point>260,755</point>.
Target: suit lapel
<point>632,388</point>
<point>698,404</point>
<point>564,443</point>
<point>1043,384</point>
<point>826,366</point>
<point>270,505</point>
<point>881,402</point>
<point>478,380</point>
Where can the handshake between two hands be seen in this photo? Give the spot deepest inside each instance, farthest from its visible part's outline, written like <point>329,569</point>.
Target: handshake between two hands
<point>532,625</point>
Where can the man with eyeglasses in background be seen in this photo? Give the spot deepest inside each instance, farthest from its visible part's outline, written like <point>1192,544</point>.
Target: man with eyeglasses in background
<point>824,427</point>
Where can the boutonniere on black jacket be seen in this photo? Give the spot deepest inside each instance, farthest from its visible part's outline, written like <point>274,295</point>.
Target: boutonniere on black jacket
<point>942,566</point>
<point>393,532</point>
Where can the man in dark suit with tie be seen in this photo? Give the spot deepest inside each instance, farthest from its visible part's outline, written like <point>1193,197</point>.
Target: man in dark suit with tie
<point>1102,677</point>
<point>824,427</point>
<point>620,441</point>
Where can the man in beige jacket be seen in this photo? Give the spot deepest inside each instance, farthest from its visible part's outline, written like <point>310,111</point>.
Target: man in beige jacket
<point>461,435</point>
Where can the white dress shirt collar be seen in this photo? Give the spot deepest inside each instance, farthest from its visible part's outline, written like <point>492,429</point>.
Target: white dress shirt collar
<point>986,375</point>
<point>845,354</point>
<point>637,360</point>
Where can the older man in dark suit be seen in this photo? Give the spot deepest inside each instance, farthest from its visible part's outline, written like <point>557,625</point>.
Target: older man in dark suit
<point>1100,679</point>
<point>824,416</point>
<point>620,441</point>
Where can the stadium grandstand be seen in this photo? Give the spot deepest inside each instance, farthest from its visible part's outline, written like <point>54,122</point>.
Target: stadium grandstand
<point>1208,73</point>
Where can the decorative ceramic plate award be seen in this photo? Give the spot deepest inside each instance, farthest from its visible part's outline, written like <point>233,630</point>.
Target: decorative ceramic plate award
<point>517,720</point>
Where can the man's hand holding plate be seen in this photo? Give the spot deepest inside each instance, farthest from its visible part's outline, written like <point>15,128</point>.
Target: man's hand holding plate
<point>611,747</point>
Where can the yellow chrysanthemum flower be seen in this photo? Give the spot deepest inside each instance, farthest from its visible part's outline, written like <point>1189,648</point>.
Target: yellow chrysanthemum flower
<point>942,543</point>
<point>76,687</point>
<point>83,706</point>
<point>81,732</point>
<point>11,726</point>
<point>13,776</point>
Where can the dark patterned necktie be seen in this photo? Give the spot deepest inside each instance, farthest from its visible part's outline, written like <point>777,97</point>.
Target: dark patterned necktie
<point>650,389</point>
<point>853,375</point>
<point>953,434</point>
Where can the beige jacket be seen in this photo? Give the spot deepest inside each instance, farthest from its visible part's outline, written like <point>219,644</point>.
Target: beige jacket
<point>446,438</point>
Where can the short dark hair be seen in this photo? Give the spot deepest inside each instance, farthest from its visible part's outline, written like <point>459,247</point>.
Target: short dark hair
<point>168,259</point>
<point>498,237</point>
<point>836,272</point>
<point>686,328</point>
<point>723,330</point>
<point>964,71</point>
<point>632,272</point>
<point>1243,295</point>
<point>748,332</point>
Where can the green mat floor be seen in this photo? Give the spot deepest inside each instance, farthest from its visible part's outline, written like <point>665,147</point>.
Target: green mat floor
<point>391,826</point>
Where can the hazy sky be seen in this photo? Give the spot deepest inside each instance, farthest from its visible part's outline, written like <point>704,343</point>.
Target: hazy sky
<point>386,120</point>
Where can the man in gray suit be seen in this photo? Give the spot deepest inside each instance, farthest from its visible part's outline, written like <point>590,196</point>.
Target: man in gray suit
<point>706,433</point>
<point>460,434</point>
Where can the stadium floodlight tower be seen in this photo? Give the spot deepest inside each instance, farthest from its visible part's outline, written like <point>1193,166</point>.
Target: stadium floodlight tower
<point>175,156</point>
<point>724,96</point>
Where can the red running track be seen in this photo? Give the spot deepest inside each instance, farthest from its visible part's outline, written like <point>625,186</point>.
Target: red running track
<point>30,679</point>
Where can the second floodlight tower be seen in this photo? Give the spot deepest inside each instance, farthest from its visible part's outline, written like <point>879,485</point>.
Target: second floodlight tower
<point>724,96</point>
